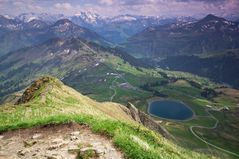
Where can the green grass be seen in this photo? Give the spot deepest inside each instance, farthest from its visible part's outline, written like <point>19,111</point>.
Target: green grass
<point>116,130</point>
<point>226,134</point>
<point>189,90</point>
<point>124,95</point>
<point>71,100</point>
<point>120,133</point>
<point>87,155</point>
<point>91,82</point>
<point>185,138</point>
<point>223,101</point>
<point>202,121</point>
<point>185,92</point>
<point>63,105</point>
<point>176,91</point>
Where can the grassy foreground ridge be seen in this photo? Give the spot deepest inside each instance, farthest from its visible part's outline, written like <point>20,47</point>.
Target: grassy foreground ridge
<point>56,103</point>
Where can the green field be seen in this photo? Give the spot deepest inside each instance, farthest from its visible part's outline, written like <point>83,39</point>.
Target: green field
<point>144,84</point>
<point>116,80</point>
<point>62,104</point>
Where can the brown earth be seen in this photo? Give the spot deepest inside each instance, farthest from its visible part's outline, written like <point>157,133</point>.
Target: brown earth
<point>228,91</point>
<point>63,141</point>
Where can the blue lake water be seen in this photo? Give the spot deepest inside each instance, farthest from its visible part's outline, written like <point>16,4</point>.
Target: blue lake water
<point>170,109</point>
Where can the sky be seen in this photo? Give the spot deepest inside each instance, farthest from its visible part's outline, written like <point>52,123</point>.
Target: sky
<point>167,8</point>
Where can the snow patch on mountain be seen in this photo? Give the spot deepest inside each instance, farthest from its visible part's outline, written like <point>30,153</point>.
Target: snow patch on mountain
<point>50,18</point>
<point>122,18</point>
<point>87,18</point>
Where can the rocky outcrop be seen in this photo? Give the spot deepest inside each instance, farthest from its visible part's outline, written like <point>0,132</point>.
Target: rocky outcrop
<point>147,121</point>
<point>134,112</point>
<point>30,92</point>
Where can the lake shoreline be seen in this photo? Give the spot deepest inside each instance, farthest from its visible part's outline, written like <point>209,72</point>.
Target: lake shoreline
<point>154,99</point>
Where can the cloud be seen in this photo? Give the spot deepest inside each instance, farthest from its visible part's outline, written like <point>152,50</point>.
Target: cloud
<point>196,8</point>
<point>207,1</point>
<point>116,7</point>
<point>64,6</point>
<point>106,2</point>
<point>21,5</point>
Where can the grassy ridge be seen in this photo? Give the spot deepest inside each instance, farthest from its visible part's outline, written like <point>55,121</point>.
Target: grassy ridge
<point>61,104</point>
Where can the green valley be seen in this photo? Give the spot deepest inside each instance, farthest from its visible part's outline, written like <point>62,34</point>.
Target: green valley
<point>75,84</point>
<point>54,103</point>
<point>111,78</point>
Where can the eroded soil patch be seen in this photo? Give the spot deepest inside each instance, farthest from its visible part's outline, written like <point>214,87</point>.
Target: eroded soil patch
<point>56,142</point>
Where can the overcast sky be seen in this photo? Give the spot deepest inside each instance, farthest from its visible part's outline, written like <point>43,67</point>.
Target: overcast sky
<point>116,7</point>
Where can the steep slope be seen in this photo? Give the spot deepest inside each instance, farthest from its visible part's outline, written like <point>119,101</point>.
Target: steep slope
<point>35,24</point>
<point>57,57</point>
<point>54,103</point>
<point>210,34</point>
<point>35,32</point>
<point>9,24</point>
<point>221,68</point>
<point>48,89</point>
<point>64,28</point>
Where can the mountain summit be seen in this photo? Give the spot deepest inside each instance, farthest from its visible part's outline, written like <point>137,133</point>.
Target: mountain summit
<point>206,35</point>
<point>211,17</point>
<point>63,22</point>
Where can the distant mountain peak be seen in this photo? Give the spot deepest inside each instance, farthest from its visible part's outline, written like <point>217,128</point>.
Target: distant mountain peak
<point>49,18</point>
<point>2,17</point>
<point>88,13</point>
<point>63,21</point>
<point>211,17</point>
<point>87,17</point>
<point>65,25</point>
<point>214,23</point>
<point>126,17</point>
<point>35,23</point>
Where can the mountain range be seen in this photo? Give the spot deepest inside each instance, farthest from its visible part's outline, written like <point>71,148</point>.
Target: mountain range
<point>57,57</point>
<point>160,39</point>
<point>208,47</point>
<point>114,29</point>
<point>124,60</point>
<point>17,34</point>
<point>210,34</point>
<point>220,68</point>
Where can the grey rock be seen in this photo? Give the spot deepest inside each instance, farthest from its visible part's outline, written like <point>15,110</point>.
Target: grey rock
<point>36,136</point>
<point>74,138</point>
<point>23,152</point>
<point>75,133</point>
<point>56,146</point>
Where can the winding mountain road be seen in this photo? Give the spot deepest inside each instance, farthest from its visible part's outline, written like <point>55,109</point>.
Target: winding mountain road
<point>213,127</point>
<point>112,87</point>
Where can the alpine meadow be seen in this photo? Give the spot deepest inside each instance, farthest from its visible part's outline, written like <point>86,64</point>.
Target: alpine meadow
<point>119,79</point>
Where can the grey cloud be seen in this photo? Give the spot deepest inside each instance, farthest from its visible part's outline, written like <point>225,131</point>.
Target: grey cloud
<point>116,7</point>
